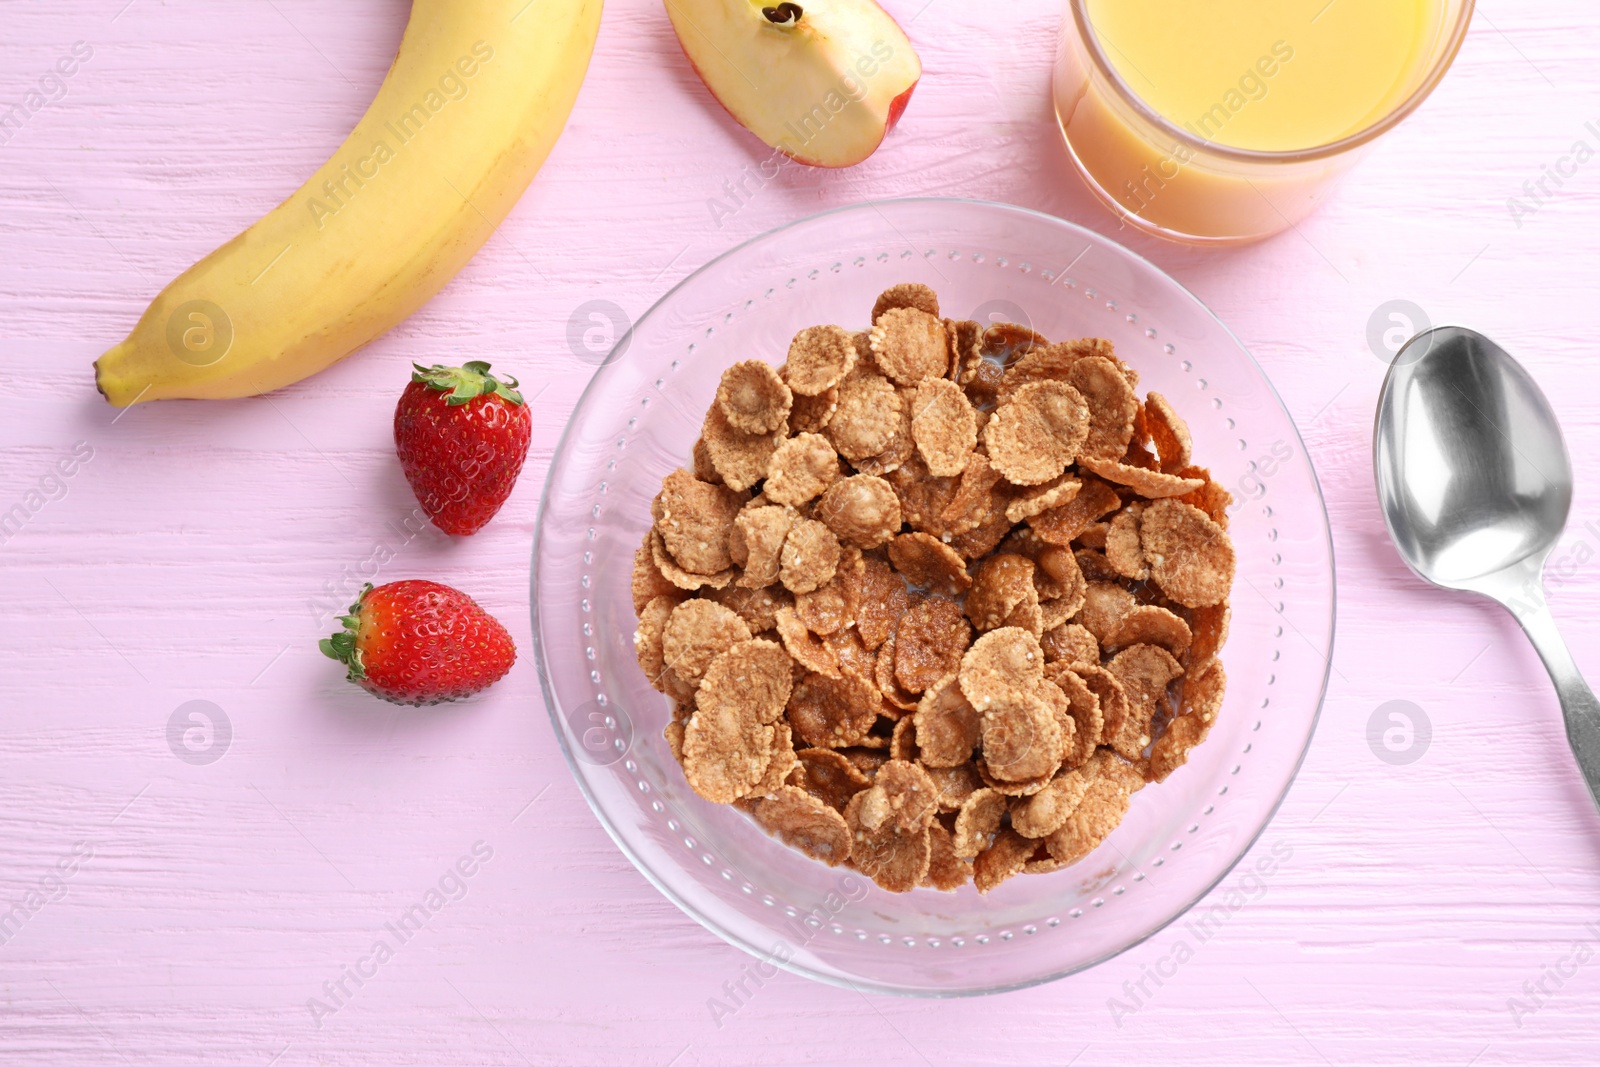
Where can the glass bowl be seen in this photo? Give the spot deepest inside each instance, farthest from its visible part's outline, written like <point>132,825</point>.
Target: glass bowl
<point>638,421</point>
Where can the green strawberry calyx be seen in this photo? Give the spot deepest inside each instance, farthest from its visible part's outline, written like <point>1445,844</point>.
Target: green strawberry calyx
<point>466,382</point>
<point>342,645</point>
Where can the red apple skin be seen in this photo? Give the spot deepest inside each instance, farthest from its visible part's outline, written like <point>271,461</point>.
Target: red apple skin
<point>897,107</point>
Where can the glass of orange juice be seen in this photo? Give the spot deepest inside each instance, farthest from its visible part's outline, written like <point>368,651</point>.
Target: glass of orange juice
<point>1226,121</point>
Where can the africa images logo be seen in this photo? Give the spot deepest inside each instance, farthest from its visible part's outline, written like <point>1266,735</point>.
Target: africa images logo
<point>339,192</point>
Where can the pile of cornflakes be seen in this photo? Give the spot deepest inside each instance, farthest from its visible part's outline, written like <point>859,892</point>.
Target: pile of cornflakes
<point>936,599</point>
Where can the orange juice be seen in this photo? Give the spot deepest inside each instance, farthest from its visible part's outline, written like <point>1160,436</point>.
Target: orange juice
<point>1226,120</point>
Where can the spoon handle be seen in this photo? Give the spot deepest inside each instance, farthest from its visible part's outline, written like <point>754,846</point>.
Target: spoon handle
<point>1578,703</point>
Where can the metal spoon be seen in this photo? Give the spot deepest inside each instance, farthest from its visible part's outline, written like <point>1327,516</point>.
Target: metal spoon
<point>1475,486</point>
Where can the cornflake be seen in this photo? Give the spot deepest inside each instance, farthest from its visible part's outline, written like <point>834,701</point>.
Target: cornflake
<point>1062,524</point>
<point>692,518</point>
<point>833,607</point>
<point>1144,671</point>
<point>1168,432</point>
<point>755,673</point>
<point>701,463</point>
<point>810,588</point>
<point>1209,626</point>
<point>801,821</point>
<point>1210,498</point>
<point>1001,668</point>
<point>1043,813</point>
<point>756,543</point>
<point>809,558</point>
<point>1010,339</point>
<point>781,764</point>
<point>832,712</point>
<point>1000,585</point>
<point>865,760</point>
<point>1053,614</point>
<point>948,726</point>
<point>884,599</point>
<point>800,469</point>
<point>929,643</point>
<point>861,510</point>
<point>924,498</point>
<point>897,698</point>
<point>1104,605</point>
<point>981,496</point>
<point>908,796</point>
<point>739,458</point>
<point>648,581</point>
<point>1096,568</point>
<point>1190,556</point>
<point>1114,706</point>
<point>1025,787</point>
<point>1035,433</point>
<point>903,742</point>
<point>977,822</point>
<point>929,562</point>
<point>1036,501</point>
<point>819,359</point>
<point>1142,480</point>
<point>1172,749</point>
<point>895,861</point>
<point>1050,362</point>
<point>1084,707</point>
<point>983,387</point>
<point>966,349</point>
<point>811,414</point>
<point>1112,406</point>
<point>1001,860</point>
<point>757,607</point>
<point>806,648</point>
<point>1104,803</point>
<point>955,784</point>
<point>943,425</point>
<point>647,639</point>
<point>683,579</point>
<point>1070,643</point>
<point>1058,576</point>
<point>1123,550</point>
<point>753,398</point>
<point>867,416</point>
<point>906,295</point>
<point>696,633</point>
<point>725,750</point>
<point>910,345</point>
<point>1151,624</point>
<point>1021,739</point>
<point>947,872</point>
<point>854,657</point>
<point>1094,536</point>
<point>827,775</point>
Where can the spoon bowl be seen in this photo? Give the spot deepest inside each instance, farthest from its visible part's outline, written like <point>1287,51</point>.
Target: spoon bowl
<point>1475,486</point>
<point>1473,473</point>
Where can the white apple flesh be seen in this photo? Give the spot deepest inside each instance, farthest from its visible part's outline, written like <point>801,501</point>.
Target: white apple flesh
<point>822,81</point>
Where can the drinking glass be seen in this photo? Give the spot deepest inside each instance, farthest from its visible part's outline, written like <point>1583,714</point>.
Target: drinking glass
<point>1163,179</point>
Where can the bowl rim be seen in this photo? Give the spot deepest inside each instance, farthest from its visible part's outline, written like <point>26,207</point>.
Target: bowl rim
<point>552,705</point>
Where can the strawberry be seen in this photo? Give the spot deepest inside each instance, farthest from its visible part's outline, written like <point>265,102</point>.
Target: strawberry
<point>461,434</point>
<point>416,642</point>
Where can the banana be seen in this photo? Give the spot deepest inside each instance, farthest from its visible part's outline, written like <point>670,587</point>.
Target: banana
<point>472,105</point>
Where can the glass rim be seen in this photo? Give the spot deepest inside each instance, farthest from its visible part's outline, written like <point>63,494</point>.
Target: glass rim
<point>1398,114</point>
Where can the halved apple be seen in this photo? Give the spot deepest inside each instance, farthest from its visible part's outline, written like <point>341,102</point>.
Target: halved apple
<point>821,81</point>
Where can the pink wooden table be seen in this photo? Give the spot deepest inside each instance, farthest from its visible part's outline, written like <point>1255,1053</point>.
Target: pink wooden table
<point>1444,910</point>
